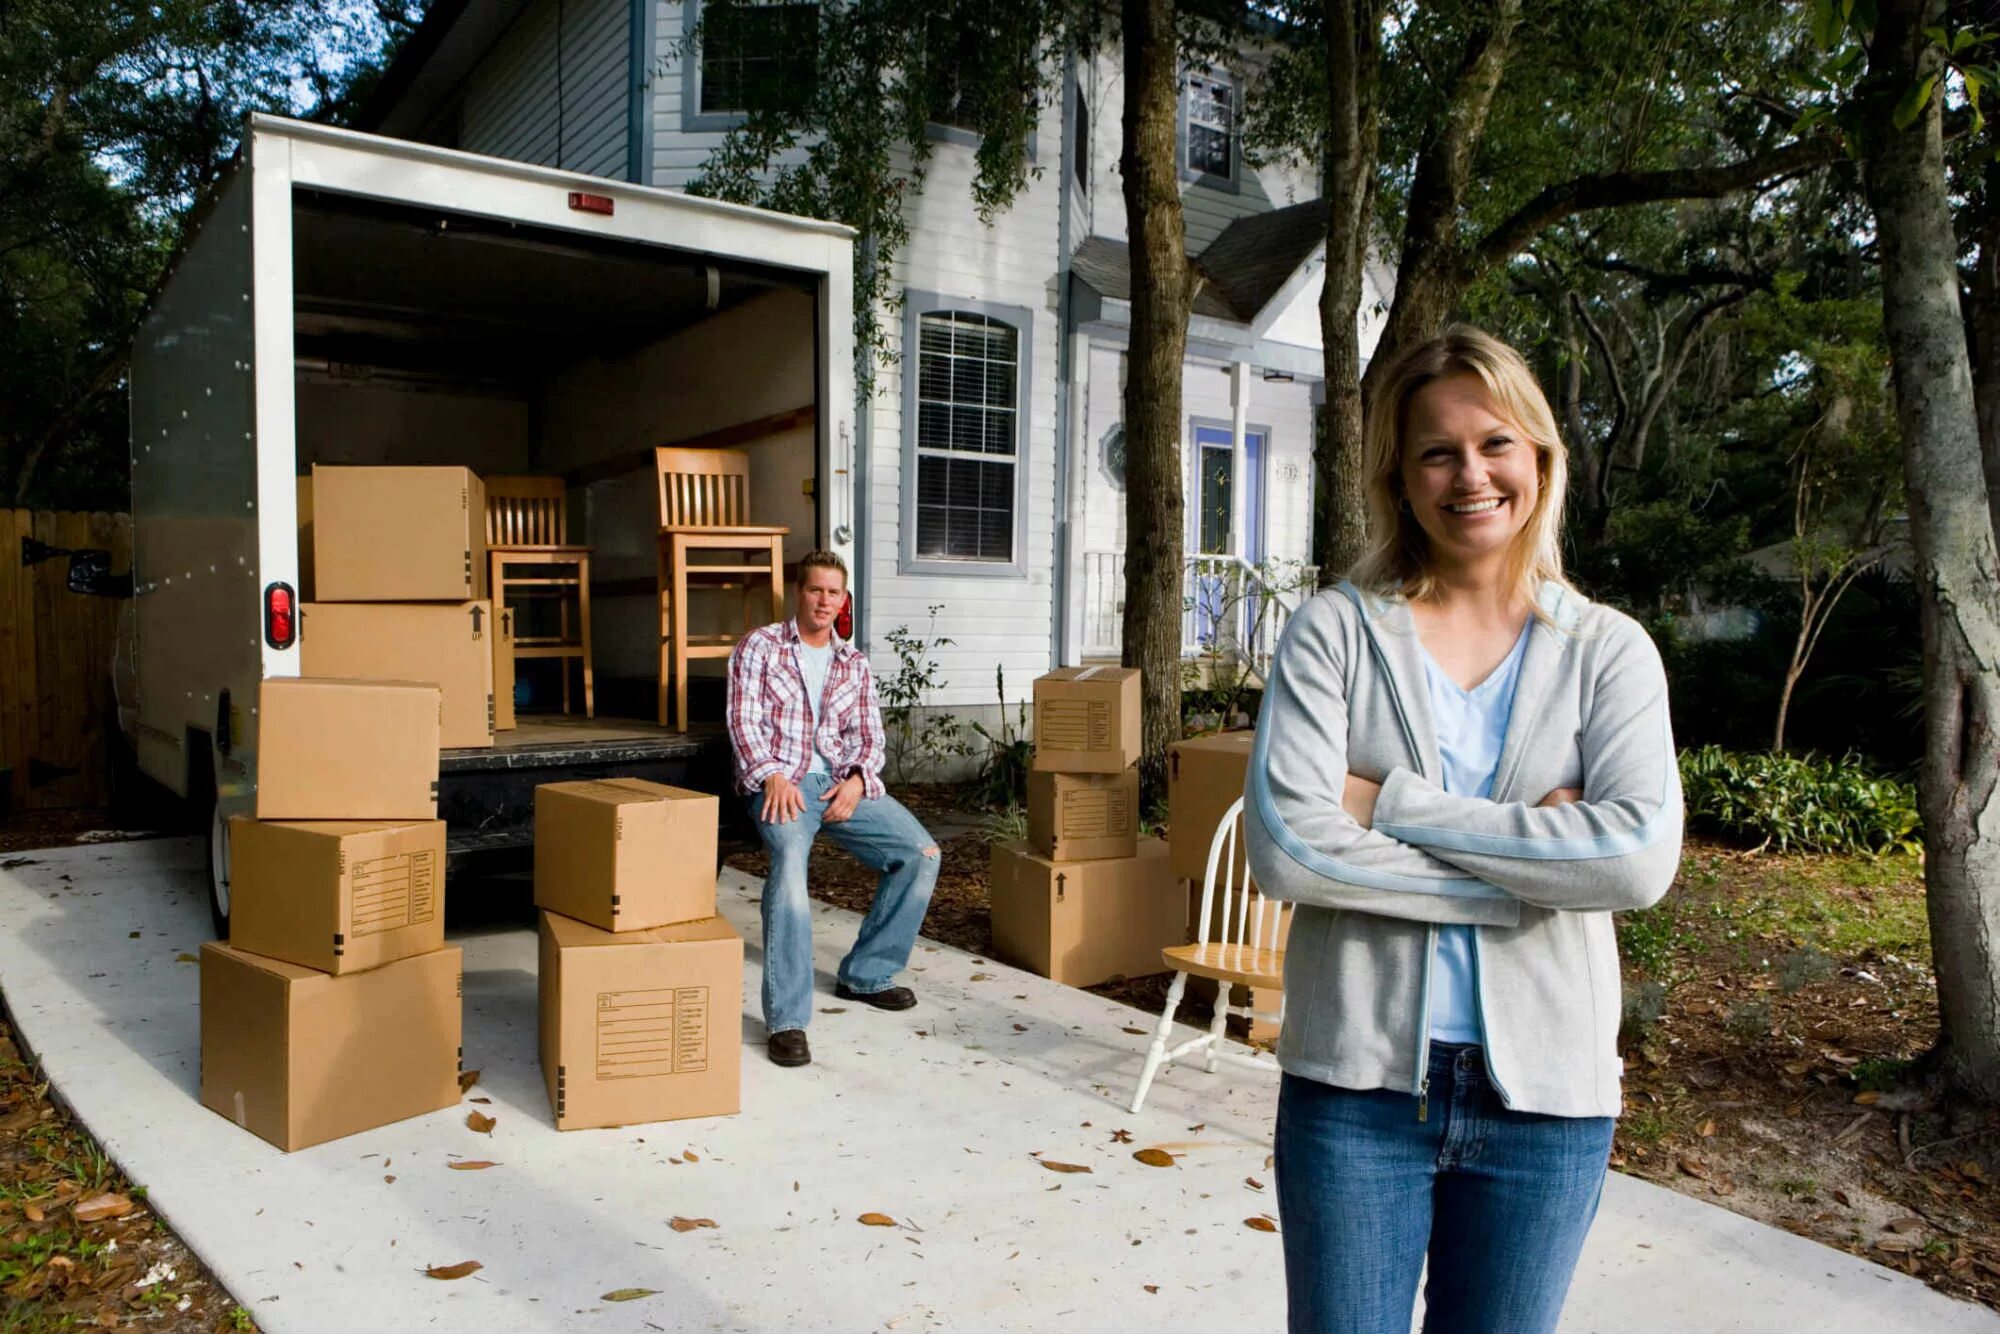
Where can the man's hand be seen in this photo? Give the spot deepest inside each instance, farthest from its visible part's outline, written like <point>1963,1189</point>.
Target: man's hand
<point>1562,796</point>
<point>783,803</point>
<point>1358,800</point>
<point>842,799</point>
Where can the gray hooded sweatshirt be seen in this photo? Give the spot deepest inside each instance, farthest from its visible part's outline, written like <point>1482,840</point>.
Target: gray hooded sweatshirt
<point>1346,693</point>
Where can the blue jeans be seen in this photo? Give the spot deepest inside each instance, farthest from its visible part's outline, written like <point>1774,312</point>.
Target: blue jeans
<point>883,836</point>
<point>1500,1201</point>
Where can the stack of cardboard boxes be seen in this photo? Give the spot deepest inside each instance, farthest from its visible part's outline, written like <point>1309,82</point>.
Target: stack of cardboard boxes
<point>335,1007</point>
<point>1205,776</point>
<point>398,590</point>
<point>1085,899</point>
<point>641,981</point>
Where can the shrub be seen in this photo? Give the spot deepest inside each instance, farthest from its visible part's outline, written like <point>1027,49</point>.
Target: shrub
<point>1798,802</point>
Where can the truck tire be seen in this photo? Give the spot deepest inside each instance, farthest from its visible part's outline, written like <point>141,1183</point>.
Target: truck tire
<point>218,869</point>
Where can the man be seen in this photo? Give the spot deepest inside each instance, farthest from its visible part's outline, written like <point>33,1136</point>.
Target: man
<point>807,730</point>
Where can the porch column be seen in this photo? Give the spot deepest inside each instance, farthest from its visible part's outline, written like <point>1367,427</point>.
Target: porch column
<point>1074,573</point>
<point>1239,471</point>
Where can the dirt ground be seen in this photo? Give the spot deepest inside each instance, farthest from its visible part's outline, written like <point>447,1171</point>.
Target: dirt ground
<point>1775,1005</point>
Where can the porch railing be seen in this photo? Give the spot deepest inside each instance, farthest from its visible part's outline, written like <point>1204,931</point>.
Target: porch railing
<point>1230,608</point>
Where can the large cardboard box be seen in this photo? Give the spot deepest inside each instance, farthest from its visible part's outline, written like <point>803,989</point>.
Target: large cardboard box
<point>346,750</point>
<point>1083,817</point>
<point>450,643</point>
<point>503,669</point>
<point>1082,923</point>
<point>641,1026</point>
<point>1205,776</point>
<point>336,895</point>
<point>298,1056</point>
<point>624,854</point>
<point>1087,720</point>
<point>398,534</point>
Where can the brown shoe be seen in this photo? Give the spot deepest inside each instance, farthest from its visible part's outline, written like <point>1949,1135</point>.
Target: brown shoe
<point>889,998</point>
<point>788,1047</point>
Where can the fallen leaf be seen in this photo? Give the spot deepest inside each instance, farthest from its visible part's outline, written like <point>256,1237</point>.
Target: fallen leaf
<point>1020,1028</point>
<point>1269,1160</point>
<point>1695,1168</point>
<point>388,1177</point>
<point>131,935</point>
<point>185,957</point>
<point>1253,1183</point>
<point>1055,1166</point>
<point>110,1204</point>
<point>459,1270</point>
<point>1121,1137</point>
<point>470,1165</point>
<point>466,1079</point>
<point>32,1211</point>
<point>1972,1170</point>
<point>1135,1032</point>
<point>480,1122</point>
<point>689,1155</point>
<point>982,977</point>
<point>485,1102</point>
<point>1907,1223</point>
<point>1260,1224</point>
<point>876,1220</point>
<point>1152,1287</point>
<point>1722,1186</point>
<point>1867,1099</point>
<point>1896,1245</point>
<point>1840,1197</point>
<point>1155,1157</point>
<point>1196,1130</point>
<point>679,1224</point>
<point>1707,1129</point>
<point>628,1294</point>
<point>1798,1067</point>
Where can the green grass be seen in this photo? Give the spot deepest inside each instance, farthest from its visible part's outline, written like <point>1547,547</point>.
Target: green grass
<point>1650,938</point>
<point>1841,905</point>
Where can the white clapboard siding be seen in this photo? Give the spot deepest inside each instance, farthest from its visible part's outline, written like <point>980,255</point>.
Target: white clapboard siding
<point>512,97</point>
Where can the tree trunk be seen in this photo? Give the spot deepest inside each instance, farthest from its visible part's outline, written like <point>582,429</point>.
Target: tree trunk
<point>1162,297</point>
<point>1983,316</point>
<point>1429,278</point>
<point>1953,534</point>
<point>1353,62</point>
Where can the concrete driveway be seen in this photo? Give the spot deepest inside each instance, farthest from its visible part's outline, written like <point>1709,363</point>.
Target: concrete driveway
<point>933,1117</point>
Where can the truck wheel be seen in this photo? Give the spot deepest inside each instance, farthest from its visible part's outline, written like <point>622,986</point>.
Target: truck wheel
<point>218,870</point>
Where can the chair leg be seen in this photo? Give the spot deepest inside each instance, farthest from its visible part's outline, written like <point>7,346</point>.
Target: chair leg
<point>1218,1026</point>
<point>666,612</point>
<point>562,614</point>
<point>1157,1053</point>
<point>777,580</point>
<point>583,615</point>
<point>678,567</point>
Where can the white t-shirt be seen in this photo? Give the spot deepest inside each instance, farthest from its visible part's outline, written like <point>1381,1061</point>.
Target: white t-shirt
<point>815,664</point>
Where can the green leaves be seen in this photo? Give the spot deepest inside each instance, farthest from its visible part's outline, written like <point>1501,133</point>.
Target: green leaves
<point>1911,105</point>
<point>1799,803</point>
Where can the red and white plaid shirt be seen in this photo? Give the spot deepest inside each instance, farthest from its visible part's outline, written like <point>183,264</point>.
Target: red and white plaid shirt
<point>771,720</point>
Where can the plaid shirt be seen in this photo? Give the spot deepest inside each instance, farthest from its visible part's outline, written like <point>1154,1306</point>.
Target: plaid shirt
<point>770,719</point>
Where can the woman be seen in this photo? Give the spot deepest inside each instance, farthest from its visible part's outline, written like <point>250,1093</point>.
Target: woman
<point>1462,768</point>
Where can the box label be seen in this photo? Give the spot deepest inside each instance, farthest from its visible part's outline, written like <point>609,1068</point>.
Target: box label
<point>392,892</point>
<point>642,1034</point>
<point>1095,813</point>
<point>1074,724</point>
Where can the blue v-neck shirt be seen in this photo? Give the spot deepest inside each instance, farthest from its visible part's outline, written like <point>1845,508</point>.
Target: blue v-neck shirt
<point>1470,725</point>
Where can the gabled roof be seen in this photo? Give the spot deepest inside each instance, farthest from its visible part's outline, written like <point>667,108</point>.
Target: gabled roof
<point>1106,265</point>
<point>1255,255</point>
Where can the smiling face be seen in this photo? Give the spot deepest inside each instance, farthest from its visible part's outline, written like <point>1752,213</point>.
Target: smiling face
<point>1469,475</point>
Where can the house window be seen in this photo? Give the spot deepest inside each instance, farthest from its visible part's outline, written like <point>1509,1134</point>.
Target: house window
<point>755,54</point>
<point>969,381</point>
<point>1217,465</point>
<point>1209,146</point>
<point>955,96</point>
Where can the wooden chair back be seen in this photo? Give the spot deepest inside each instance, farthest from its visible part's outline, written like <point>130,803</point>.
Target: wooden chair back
<point>703,488</point>
<point>526,512</point>
<point>1232,911</point>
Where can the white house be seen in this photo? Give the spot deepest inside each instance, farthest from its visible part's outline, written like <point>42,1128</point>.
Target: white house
<point>989,462</point>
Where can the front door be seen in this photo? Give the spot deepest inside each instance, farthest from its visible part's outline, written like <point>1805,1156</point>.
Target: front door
<point>1211,534</point>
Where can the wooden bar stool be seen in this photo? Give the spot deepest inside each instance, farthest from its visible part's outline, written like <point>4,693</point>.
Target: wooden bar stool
<point>528,550</point>
<point>704,508</point>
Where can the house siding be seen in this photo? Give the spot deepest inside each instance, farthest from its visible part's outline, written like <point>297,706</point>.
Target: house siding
<point>509,108</point>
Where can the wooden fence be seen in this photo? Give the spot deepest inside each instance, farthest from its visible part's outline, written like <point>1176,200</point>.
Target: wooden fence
<point>57,651</point>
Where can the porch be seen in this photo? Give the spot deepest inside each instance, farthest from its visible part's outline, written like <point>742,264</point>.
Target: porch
<point>1232,611</point>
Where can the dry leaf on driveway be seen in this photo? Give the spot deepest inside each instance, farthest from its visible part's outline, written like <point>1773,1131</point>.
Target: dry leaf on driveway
<point>1055,1166</point>
<point>1260,1224</point>
<point>459,1270</point>
<point>110,1204</point>
<point>680,1224</point>
<point>470,1165</point>
<point>876,1220</point>
<point>628,1294</point>
<point>1155,1157</point>
<point>480,1122</point>
<point>466,1079</point>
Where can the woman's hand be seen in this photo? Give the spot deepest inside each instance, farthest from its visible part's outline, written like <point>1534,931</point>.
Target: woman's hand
<point>1358,800</point>
<point>1562,796</point>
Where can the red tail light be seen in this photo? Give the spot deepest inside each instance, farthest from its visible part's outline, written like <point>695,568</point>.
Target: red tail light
<point>843,621</point>
<point>281,616</point>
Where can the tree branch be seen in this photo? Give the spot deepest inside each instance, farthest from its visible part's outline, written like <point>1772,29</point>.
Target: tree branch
<point>1617,189</point>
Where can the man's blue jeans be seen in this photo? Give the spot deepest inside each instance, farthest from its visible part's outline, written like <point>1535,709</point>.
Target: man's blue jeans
<point>1499,1200</point>
<point>883,836</point>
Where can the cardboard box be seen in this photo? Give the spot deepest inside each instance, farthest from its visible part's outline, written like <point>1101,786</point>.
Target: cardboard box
<point>450,643</point>
<point>624,854</point>
<point>336,895</point>
<point>1087,720</point>
<point>346,750</point>
<point>503,669</point>
<point>299,1057</point>
<point>1205,776</point>
<point>641,1026</point>
<point>1082,923</point>
<point>398,534</point>
<point>1083,817</point>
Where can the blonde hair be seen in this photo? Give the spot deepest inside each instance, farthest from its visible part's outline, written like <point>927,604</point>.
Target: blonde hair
<point>1398,555</point>
<point>821,560</point>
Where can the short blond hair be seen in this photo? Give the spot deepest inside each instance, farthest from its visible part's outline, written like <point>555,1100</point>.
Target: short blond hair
<point>1398,555</point>
<point>821,560</point>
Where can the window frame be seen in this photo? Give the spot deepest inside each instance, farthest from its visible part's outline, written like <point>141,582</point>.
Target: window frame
<point>917,304</point>
<point>1232,183</point>
<point>693,119</point>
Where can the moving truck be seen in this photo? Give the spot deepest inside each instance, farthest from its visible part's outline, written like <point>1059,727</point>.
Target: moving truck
<point>347,299</point>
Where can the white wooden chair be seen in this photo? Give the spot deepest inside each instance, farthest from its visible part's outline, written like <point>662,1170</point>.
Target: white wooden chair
<point>1237,943</point>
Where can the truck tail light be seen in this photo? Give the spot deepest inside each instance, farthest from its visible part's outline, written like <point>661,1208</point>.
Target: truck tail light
<point>281,616</point>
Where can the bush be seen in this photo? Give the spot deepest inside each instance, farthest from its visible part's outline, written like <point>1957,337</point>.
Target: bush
<point>1798,803</point>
